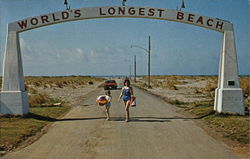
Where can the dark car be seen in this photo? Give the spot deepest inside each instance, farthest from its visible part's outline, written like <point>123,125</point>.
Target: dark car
<point>110,84</point>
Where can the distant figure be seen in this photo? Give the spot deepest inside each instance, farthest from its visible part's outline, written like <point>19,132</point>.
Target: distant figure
<point>126,92</point>
<point>105,100</point>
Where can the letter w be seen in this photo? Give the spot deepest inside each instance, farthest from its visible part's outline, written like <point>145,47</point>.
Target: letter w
<point>23,24</point>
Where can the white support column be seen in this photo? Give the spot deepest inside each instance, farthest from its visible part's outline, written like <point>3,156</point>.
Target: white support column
<point>228,95</point>
<point>219,77</point>
<point>13,97</point>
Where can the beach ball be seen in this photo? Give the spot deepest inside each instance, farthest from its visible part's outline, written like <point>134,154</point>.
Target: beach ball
<point>101,100</point>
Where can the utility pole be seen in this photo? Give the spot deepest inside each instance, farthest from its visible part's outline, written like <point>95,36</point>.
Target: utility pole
<point>130,71</point>
<point>149,48</point>
<point>135,69</point>
<point>148,51</point>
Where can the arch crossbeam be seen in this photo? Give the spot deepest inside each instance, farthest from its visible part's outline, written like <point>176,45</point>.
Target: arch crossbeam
<point>120,11</point>
<point>14,99</point>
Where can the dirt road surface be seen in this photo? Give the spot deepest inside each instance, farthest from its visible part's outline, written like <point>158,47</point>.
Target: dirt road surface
<point>155,131</point>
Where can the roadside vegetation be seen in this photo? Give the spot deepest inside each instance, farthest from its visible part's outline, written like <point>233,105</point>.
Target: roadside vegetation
<point>233,127</point>
<point>15,130</point>
<point>61,81</point>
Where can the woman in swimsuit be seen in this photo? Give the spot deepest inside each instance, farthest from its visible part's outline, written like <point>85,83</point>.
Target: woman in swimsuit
<point>126,92</point>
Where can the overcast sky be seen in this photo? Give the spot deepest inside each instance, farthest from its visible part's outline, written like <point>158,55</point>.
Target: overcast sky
<point>102,46</point>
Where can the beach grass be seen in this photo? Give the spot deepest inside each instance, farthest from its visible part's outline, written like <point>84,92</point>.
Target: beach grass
<point>16,129</point>
<point>231,126</point>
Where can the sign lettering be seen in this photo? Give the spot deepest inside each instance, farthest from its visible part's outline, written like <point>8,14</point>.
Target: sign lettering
<point>123,11</point>
<point>200,20</point>
<point>131,11</point>
<point>45,19</point>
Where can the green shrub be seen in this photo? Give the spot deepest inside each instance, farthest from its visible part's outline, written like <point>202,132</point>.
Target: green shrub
<point>40,99</point>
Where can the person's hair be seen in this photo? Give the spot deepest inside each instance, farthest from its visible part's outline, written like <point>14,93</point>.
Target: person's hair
<point>126,81</point>
<point>108,92</point>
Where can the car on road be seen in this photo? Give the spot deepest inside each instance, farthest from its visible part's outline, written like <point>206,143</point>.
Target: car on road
<point>110,84</point>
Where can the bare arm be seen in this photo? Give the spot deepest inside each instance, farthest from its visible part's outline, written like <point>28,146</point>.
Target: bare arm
<point>131,91</point>
<point>121,94</point>
<point>110,98</point>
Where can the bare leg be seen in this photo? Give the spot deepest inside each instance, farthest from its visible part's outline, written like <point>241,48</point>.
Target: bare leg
<point>107,112</point>
<point>125,108</point>
<point>127,105</point>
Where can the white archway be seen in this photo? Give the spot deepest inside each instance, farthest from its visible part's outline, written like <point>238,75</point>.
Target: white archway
<point>14,98</point>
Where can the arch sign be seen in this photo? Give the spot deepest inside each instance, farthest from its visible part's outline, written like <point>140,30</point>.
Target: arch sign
<point>14,98</point>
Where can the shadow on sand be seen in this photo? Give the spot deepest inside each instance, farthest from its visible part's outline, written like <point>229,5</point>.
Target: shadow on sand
<point>133,119</point>
<point>44,118</point>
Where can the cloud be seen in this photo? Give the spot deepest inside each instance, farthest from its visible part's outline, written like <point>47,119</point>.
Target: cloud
<point>65,55</point>
<point>27,52</point>
<point>41,59</point>
<point>80,54</point>
<point>109,50</point>
<point>24,46</point>
<point>41,54</point>
<point>94,54</point>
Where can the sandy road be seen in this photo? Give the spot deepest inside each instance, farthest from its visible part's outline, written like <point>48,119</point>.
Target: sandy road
<point>156,131</point>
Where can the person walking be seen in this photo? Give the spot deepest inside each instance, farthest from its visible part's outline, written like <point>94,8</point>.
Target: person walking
<point>105,100</point>
<point>127,93</point>
<point>107,106</point>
